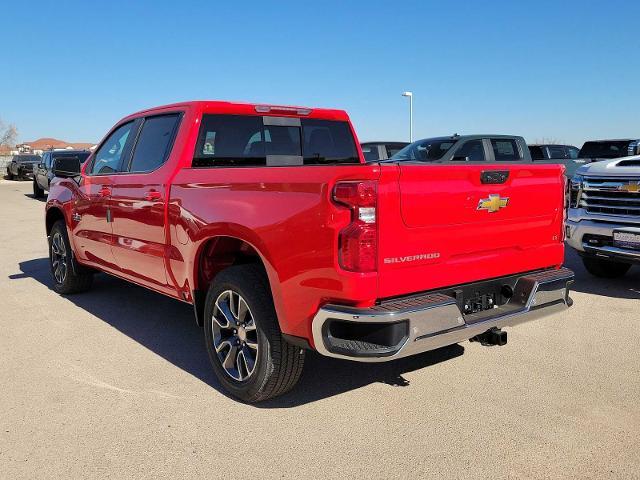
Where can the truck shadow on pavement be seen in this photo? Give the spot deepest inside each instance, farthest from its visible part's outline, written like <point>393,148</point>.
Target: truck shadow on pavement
<point>625,287</point>
<point>33,197</point>
<point>167,328</point>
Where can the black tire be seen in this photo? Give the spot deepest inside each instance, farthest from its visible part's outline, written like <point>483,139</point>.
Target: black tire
<point>37,191</point>
<point>9,175</point>
<point>73,280</point>
<point>277,365</point>
<point>605,268</point>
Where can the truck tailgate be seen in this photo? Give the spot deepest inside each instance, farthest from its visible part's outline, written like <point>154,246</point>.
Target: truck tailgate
<point>441,225</point>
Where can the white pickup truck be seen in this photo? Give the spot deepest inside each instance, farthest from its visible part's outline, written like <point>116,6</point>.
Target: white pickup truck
<point>604,216</point>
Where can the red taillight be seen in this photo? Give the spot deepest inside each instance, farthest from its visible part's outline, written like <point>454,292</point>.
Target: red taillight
<point>358,242</point>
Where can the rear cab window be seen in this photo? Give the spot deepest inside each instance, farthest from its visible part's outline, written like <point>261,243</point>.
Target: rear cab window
<point>251,141</point>
<point>606,149</point>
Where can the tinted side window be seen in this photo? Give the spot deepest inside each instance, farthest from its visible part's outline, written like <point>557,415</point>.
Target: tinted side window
<point>556,151</point>
<point>505,149</point>
<point>370,153</point>
<point>108,157</point>
<point>473,149</point>
<point>573,152</point>
<point>47,160</point>
<point>536,153</point>
<point>392,149</point>
<point>230,140</point>
<point>154,143</point>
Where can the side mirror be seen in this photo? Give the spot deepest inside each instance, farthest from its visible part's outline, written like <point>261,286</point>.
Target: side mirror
<point>460,159</point>
<point>66,167</point>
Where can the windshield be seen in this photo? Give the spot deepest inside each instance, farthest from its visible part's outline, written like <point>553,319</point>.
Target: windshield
<point>27,159</point>
<point>613,149</point>
<point>427,150</point>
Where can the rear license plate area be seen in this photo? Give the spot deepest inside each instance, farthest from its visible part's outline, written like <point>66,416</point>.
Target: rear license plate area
<point>624,239</point>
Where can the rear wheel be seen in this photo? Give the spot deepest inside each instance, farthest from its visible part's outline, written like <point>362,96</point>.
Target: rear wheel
<point>65,279</point>
<point>37,191</point>
<point>605,268</point>
<point>243,339</point>
<point>9,175</point>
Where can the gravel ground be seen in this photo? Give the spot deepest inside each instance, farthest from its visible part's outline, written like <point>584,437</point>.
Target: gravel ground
<point>115,383</point>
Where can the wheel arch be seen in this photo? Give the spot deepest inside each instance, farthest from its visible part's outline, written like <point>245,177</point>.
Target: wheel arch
<point>218,252</point>
<point>53,215</point>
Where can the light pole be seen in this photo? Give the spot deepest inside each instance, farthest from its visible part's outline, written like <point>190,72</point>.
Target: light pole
<point>410,95</point>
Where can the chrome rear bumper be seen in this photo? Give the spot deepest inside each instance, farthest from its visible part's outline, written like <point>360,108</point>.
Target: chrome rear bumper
<point>418,324</point>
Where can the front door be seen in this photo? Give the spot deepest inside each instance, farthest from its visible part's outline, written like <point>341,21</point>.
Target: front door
<point>91,214</point>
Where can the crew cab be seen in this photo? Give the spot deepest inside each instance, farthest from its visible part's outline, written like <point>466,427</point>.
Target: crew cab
<point>604,216</point>
<point>268,220</point>
<point>43,171</point>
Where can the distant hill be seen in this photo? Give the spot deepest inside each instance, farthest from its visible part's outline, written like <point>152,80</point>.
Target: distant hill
<point>48,143</point>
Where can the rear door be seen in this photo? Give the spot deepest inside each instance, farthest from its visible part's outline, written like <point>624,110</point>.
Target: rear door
<point>463,221</point>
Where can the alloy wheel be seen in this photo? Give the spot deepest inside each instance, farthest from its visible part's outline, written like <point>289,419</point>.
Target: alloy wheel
<point>59,258</point>
<point>235,338</point>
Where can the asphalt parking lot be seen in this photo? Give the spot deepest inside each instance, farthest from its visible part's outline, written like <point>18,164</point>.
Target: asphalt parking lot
<point>115,383</point>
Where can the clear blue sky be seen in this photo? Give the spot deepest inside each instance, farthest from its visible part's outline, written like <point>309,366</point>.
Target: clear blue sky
<point>568,70</point>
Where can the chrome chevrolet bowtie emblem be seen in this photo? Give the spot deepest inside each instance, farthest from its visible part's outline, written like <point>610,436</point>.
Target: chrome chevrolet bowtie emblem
<point>493,203</point>
<point>631,187</point>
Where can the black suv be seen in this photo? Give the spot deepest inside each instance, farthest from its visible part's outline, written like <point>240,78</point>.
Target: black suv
<point>43,170</point>
<point>21,166</point>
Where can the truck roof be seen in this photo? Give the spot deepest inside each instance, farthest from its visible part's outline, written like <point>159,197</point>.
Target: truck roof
<point>470,137</point>
<point>246,108</point>
<point>612,140</point>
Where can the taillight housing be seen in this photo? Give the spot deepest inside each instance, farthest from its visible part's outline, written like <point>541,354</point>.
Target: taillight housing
<point>358,241</point>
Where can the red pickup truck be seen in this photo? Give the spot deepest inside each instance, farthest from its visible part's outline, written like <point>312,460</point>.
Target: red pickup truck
<point>270,223</point>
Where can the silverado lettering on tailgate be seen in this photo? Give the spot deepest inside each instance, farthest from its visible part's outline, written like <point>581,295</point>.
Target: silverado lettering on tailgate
<point>412,258</point>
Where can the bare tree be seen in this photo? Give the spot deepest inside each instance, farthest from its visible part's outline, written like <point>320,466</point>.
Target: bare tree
<point>548,141</point>
<point>8,134</point>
